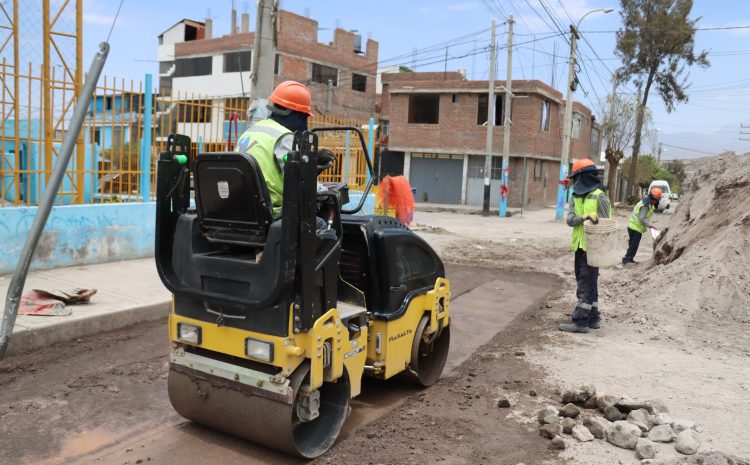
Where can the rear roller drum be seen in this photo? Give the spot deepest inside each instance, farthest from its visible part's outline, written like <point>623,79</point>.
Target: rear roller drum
<point>307,428</point>
<point>429,352</point>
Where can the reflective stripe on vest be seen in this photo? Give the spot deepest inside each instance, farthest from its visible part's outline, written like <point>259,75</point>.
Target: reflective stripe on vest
<point>259,142</point>
<point>635,221</point>
<point>584,206</point>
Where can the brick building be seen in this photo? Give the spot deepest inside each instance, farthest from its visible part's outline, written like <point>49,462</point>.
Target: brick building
<point>192,61</point>
<point>434,127</point>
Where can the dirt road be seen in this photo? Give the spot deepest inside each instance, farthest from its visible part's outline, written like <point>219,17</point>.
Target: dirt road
<point>103,399</point>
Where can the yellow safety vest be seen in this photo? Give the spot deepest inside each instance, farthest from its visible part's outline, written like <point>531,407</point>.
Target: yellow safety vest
<point>635,218</point>
<point>584,206</point>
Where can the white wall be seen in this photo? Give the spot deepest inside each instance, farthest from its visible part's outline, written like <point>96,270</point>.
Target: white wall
<point>174,35</point>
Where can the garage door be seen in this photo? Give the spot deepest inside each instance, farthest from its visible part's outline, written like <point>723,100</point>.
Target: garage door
<point>436,180</point>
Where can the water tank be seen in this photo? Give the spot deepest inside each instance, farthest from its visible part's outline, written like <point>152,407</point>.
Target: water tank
<point>462,72</point>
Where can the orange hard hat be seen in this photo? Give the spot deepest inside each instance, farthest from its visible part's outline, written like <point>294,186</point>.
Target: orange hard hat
<point>292,95</point>
<point>656,193</point>
<point>583,165</point>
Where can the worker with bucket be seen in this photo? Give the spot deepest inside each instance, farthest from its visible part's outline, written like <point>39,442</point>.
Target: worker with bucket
<point>588,202</point>
<point>639,222</point>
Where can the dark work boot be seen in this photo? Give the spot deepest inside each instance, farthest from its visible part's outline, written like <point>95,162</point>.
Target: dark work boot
<point>573,328</point>
<point>628,261</point>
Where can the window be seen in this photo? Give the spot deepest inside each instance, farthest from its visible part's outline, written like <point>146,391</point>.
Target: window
<point>359,82</point>
<point>277,65</point>
<point>385,126</point>
<point>482,109</point>
<point>537,170</point>
<point>545,116</point>
<point>424,108</point>
<point>454,98</point>
<point>237,61</point>
<point>323,73</point>
<point>200,66</point>
<point>194,111</point>
<point>577,126</point>
<point>235,105</point>
<point>476,167</point>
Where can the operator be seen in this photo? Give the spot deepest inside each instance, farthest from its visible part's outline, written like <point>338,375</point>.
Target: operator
<point>639,222</point>
<point>588,202</point>
<point>269,140</point>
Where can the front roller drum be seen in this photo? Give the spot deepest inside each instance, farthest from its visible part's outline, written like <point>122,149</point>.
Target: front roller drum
<point>429,352</point>
<point>244,411</point>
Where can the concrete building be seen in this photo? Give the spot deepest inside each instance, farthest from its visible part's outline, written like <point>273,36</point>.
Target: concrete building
<point>192,61</point>
<point>433,125</point>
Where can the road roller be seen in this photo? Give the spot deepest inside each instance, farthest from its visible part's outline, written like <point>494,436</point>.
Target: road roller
<point>275,322</point>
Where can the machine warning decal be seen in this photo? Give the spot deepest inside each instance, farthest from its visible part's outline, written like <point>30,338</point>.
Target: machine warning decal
<point>353,352</point>
<point>399,335</point>
<point>223,187</point>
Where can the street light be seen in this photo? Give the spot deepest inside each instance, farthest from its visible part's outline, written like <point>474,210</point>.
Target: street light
<point>568,122</point>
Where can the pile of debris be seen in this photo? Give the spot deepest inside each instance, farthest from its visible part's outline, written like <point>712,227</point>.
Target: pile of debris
<point>623,422</point>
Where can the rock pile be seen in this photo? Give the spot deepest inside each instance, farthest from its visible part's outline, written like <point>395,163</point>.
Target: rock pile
<point>623,422</point>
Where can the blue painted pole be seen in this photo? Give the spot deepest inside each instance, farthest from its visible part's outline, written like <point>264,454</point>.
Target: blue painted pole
<point>200,144</point>
<point>145,160</point>
<point>561,194</point>
<point>370,147</point>
<point>347,153</point>
<point>503,199</point>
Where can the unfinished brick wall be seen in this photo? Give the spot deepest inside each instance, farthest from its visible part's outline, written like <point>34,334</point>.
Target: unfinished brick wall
<point>298,48</point>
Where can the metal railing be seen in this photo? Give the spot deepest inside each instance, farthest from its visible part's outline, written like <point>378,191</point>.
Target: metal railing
<point>113,162</point>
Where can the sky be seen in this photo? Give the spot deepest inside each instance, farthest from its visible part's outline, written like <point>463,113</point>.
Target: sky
<point>709,123</point>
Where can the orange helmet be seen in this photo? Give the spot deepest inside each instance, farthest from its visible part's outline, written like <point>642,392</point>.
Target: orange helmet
<point>292,95</point>
<point>582,166</point>
<point>655,193</point>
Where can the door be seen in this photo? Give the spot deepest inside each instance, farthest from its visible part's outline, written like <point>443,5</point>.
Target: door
<point>436,180</point>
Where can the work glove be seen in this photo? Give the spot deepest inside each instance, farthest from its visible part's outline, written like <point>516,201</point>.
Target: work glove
<point>593,217</point>
<point>325,159</point>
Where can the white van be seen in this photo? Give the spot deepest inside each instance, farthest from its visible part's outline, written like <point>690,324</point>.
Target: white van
<point>665,194</point>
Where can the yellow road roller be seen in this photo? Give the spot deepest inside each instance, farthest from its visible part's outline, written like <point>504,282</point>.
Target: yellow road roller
<point>274,323</point>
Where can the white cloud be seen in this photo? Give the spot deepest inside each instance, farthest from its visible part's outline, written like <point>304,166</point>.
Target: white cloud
<point>464,6</point>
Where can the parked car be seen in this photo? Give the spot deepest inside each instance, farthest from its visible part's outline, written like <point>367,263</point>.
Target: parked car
<point>666,194</point>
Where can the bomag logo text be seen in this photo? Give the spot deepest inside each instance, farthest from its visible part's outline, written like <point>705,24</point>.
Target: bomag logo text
<point>399,335</point>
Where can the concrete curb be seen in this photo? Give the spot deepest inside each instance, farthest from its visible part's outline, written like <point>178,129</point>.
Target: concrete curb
<point>31,339</point>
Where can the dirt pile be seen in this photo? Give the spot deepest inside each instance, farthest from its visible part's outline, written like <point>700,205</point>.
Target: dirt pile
<point>700,275</point>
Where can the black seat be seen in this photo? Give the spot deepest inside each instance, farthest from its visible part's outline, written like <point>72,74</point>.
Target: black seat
<point>232,199</point>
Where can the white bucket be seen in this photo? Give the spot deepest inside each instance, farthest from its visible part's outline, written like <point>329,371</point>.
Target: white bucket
<point>602,243</point>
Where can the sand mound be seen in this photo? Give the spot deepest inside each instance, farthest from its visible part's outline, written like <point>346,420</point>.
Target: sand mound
<point>700,275</point>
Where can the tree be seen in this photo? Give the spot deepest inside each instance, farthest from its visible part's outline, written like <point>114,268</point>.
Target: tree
<point>619,129</point>
<point>656,45</point>
<point>647,171</point>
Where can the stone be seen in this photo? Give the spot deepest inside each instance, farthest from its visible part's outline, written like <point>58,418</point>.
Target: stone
<point>371,435</point>
<point>605,400</point>
<point>532,393</point>
<point>545,413</point>
<point>623,434</point>
<point>640,418</point>
<point>503,402</point>
<point>580,395</point>
<point>597,425</point>
<point>628,404</point>
<point>567,425</point>
<point>661,433</point>
<point>591,403</point>
<point>557,443</point>
<point>570,411</point>
<point>687,442</point>
<point>114,389</point>
<point>550,431</point>
<point>612,413</point>
<point>582,433</point>
<point>660,418</point>
<point>645,449</point>
<point>681,425</point>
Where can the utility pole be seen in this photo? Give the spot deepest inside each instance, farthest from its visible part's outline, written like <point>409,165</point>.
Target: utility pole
<point>329,100</point>
<point>567,124</point>
<point>264,56</point>
<point>658,156</point>
<point>490,125</point>
<point>507,123</point>
<point>611,122</point>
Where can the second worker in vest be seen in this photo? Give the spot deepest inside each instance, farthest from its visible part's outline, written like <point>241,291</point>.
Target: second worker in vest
<point>587,203</point>
<point>268,141</point>
<point>640,221</point>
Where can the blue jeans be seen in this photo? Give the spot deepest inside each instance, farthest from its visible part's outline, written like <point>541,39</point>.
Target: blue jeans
<point>587,291</point>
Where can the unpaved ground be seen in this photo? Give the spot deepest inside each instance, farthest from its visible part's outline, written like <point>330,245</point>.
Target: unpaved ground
<point>103,399</point>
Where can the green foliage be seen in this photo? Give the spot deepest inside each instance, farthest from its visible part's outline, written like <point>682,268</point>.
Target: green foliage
<point>648,170</point>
